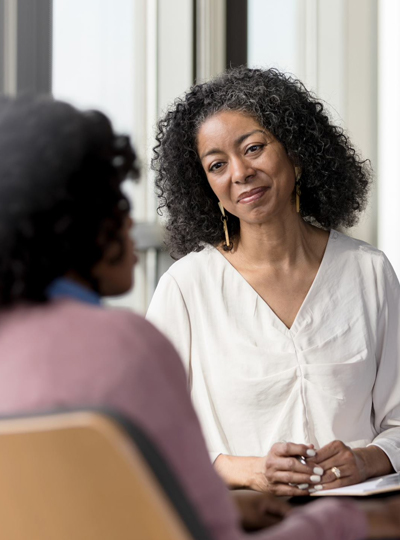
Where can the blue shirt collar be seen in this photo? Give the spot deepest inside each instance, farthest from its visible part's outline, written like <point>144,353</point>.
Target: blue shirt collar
<point>65,287</point>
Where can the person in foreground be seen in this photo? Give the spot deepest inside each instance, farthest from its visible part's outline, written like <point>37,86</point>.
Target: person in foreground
<point>288,329</point>
<point>65,243</point>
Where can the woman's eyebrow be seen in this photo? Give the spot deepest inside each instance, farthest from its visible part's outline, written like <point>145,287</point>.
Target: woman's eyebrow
<point>246,135</point>
<point>238,142</point>
<point>212,151</point>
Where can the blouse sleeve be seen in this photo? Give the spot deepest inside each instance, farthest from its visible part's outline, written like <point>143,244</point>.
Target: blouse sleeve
<point>168,313</point>
<point>386,392</point>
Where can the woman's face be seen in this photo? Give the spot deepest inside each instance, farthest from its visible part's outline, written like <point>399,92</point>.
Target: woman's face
<point>114,274</point>
<point>247,168</point>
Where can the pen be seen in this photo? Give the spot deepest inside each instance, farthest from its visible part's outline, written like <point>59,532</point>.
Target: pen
<point>302,459</point>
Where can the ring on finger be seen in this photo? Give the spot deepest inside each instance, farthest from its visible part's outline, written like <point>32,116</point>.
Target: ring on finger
<point>336,472</point>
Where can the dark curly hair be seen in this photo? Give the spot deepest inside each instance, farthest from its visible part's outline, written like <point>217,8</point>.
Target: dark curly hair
<point>61,203</point>
<point>334,180</point>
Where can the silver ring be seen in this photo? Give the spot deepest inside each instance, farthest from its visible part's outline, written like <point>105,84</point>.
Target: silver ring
<point>336,472</point>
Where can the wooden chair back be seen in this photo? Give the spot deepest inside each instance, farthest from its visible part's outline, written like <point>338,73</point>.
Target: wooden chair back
<point>80,476</point>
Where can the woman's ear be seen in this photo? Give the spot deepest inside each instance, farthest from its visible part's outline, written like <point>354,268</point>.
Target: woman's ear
<point>297,173</point>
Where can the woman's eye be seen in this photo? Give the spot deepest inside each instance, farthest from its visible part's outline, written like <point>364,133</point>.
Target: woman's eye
<point>254,147</point>
<point>216,166</point>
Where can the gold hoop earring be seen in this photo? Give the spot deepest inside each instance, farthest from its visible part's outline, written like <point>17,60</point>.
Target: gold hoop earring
<point>224,218</point>
<point>297,172</point>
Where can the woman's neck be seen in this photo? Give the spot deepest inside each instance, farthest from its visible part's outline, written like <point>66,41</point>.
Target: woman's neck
<point>74,276</point>
<point>279,243</point>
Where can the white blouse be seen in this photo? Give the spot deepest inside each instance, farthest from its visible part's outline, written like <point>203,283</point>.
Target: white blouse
<point>335,374</point>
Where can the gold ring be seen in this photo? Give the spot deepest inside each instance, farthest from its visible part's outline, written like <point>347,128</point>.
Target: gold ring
<point>336,472</point>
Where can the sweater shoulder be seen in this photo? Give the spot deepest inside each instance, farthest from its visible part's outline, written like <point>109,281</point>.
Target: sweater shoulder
<point>68,321</point>
<point>117,323</point>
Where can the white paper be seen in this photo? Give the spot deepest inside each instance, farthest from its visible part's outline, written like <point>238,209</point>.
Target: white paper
<point>380,484</point>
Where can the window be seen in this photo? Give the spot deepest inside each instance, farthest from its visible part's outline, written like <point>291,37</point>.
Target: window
<point>128,59</point>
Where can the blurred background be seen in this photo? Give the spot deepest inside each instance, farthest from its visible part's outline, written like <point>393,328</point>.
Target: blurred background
<point>131,58</point>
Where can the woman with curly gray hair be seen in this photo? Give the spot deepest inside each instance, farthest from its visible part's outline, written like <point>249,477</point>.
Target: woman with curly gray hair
<point>288,329</point>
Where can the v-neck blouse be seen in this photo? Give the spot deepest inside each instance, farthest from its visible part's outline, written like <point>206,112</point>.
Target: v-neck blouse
<point>335,374</point>
<point>279,322</point>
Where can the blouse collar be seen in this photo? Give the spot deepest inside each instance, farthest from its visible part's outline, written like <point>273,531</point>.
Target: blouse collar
<point>65,287</point>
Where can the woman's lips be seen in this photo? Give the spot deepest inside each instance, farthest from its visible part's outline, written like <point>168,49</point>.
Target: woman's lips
<point>252,195</point>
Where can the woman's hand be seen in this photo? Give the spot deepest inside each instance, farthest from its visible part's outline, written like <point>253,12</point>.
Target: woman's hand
<point>259,510</point>
<point>281,472</point>
<point>274,472</point>
<point>344,466</point>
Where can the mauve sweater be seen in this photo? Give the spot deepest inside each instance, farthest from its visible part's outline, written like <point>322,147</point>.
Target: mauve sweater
<point>67,353</point>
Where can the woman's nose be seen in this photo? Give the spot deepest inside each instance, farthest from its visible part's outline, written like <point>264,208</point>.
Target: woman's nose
<point>241,171</point>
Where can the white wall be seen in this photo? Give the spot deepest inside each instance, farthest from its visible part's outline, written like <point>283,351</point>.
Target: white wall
<point>389,132</point>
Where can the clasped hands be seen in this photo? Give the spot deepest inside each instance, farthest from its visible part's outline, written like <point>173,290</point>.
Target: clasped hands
<point>332,466</point>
